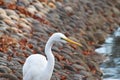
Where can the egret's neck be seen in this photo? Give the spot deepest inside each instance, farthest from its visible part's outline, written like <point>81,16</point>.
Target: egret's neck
<point>50,57</point>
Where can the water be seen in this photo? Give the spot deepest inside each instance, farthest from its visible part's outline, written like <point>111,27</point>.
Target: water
<point>111,48</point>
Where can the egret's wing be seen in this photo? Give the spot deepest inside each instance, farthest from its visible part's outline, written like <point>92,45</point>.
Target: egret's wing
<point>27,76</point>
<point>32,63</point>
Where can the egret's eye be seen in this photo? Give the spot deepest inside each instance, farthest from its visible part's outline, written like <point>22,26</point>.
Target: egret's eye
<point>62,38</point>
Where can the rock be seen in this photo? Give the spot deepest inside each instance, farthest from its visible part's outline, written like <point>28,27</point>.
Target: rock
<point>38,6</point>
<point>31,9</point>
<point>69,10</point>
<point>4,69</point>
<point>8,77</point>
<point>3,61</point>
<point>1,54</point>
<point>11,12</point>
<point>59,4</point>
<point>9,22</point>
<point>25,27</point>
<point>78,77</point>
<point>100,36</point>
<point>69,67</point>
<point>15,18</point>
<point>84,73</point>
<point>78,67</point>
<point>116,11</point>
<point>4,16</point>
<point>13,1</point>
<point>24,2</point>
<point>45,1</point>
<point>2,11</point>
<point>52,5</point>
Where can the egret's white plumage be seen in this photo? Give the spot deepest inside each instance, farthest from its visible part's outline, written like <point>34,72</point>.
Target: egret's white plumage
<point>37,66</point>
<point>31,66</point>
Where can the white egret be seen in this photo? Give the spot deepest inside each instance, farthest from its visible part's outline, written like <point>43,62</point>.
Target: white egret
<point>37,66</point>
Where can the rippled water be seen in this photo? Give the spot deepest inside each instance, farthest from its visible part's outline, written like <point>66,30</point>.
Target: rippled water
<point>111,48</point>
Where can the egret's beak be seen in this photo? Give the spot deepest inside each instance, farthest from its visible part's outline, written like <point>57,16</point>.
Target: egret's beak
<point>73,42</point>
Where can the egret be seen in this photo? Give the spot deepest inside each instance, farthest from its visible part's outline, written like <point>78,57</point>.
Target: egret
<point>37,66</point>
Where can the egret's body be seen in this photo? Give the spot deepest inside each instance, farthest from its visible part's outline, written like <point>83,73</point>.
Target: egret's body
<point>34,70</point>
<point>38,67</point>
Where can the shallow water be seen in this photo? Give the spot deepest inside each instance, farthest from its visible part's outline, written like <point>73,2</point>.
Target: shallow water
<point>111,48</point>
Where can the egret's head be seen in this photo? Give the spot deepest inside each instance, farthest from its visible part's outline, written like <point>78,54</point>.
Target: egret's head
<point>59,37</point>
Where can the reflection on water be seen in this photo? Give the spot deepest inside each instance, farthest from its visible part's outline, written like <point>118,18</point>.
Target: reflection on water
<point>111,68</point>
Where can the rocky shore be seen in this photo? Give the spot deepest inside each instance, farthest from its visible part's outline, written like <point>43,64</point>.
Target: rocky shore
<point>26,25</point>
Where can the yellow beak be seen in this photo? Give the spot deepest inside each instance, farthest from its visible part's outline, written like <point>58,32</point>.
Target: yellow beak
<point>73,42</point>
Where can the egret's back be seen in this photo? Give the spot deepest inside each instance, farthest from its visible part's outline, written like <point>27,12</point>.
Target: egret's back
<point>32,64</point>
